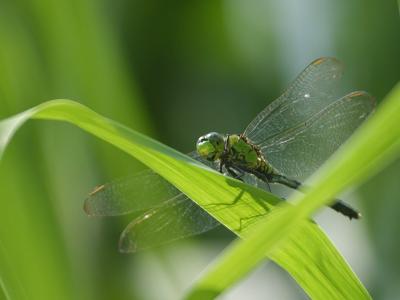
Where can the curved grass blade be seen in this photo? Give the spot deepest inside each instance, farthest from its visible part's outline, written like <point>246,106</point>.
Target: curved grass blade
<point>235,204</point>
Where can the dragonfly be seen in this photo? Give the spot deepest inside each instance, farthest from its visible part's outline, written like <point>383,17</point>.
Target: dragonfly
<point>284,144</point>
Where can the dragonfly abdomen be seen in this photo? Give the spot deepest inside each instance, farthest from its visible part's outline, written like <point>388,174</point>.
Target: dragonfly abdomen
<point>338,205</point>
<point>266,169</point>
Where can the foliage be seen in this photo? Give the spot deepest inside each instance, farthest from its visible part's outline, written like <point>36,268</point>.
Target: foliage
<point>346,168</point>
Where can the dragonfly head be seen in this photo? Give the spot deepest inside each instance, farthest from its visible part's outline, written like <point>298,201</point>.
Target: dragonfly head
<point>211,146</point>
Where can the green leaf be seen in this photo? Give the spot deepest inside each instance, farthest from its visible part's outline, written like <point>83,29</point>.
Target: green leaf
<point>307,254</point>
<point>372,147</point>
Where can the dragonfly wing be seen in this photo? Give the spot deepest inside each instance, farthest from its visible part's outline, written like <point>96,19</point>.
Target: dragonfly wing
<point>173,220</point>
<point>298,151</point>
<point>170,215</point>
<point>309,93</point>
<point>139,192</point>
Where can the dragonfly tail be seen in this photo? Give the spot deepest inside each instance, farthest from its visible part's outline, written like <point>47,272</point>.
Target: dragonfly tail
<point>346,209</point>
<point>339,206</point>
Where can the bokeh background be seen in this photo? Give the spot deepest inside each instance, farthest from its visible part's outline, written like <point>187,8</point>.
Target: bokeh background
<point>173,70</point>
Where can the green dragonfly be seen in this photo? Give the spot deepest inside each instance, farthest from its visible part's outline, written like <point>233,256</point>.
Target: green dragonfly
<point>284,144</point>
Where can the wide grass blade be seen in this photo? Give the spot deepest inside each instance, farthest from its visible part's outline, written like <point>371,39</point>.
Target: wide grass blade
<point>307,254</point>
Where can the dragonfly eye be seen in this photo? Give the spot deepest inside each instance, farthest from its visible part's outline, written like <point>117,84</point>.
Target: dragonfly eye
<point>205,148</point>
<point>210,146</point>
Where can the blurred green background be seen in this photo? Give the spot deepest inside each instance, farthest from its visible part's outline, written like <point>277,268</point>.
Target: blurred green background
<point>173,70</point>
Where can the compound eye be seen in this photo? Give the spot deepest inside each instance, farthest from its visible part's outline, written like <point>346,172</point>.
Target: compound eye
<point>205,148</point>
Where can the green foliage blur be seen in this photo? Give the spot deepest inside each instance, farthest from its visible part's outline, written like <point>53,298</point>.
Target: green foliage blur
<point>173,70</point>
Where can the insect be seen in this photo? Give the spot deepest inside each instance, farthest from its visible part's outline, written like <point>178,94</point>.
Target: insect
<point>240,156</point>
<point>284,144</point>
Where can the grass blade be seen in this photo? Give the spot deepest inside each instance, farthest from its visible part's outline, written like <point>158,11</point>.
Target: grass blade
<point>307,255</point>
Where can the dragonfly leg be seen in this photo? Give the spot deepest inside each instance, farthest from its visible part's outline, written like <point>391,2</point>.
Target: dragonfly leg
<point>269,187</point>
<point>235,173</point>
<point>222,161</point>
<point>264,178</point>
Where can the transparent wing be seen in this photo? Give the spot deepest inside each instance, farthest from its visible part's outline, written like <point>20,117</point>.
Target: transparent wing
<point>303,127</point>
<point>138,192</point>
<point>298,151</point>
<point>170,215</point>
<point>310,92</point>
<point>173,220</point>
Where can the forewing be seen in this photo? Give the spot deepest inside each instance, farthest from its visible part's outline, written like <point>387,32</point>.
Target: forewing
<point>298,151</point>
<point>311,91</point>
<point>173,220</point>
<point>138,192</point>
<point>170,215</point>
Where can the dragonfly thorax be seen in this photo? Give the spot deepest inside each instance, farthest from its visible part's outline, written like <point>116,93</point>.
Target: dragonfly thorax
<point>241,153</point>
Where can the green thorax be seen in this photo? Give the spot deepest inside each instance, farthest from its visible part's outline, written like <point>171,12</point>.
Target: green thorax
<point>243,153</point>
